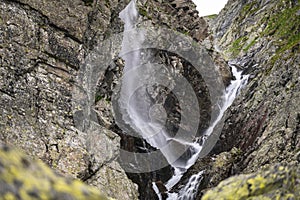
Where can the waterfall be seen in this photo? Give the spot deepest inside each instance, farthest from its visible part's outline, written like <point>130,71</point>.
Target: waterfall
<point>190,190</point>
<point>136,107</point>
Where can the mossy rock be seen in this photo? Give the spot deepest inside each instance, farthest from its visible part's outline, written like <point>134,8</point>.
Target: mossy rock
<point>278,182</point>
<point>285,26</point>
<point>21,178</point>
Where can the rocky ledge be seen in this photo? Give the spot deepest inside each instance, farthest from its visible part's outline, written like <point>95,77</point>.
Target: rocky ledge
<point>23,178</point>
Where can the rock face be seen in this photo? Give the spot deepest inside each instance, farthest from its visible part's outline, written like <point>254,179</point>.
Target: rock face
<point>42,47</point>
<point>272,59</point>
<point>264,120</point>
<point>177,16</point>
<point>262,38</point>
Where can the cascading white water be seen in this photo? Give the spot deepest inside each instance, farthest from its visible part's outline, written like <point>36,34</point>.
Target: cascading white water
<point>135,103</point>
<point>136,107</point>
<point>189,191</point>
<point>230,93</point>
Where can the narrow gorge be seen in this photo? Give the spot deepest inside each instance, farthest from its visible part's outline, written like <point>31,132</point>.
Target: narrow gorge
<point>144,99</point>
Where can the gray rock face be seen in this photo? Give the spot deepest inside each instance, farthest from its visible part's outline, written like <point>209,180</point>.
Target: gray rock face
<point>264,121</point>
<point>178,16</point>
<point>262,126</point>
<point>42,46</point>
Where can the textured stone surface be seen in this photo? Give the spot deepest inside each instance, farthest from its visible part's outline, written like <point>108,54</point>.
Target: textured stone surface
<point>262,38</point>
<point>22,178</point>
<point>278,182</point>
<point>264,120</point>
<point>42,47</point>
<point>177,17</point>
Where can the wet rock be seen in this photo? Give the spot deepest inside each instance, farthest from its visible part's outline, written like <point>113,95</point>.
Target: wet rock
<point>178,16</point>
<point>43,46</point>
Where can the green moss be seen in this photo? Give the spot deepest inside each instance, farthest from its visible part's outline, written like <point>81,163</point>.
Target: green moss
<point>249,8</point>
<point>186,32</point>
<point>144,12</point>
<point>237,45</point>
<point>292,42</point>
<point>212,16</point>
<point>284,26</point>
<point>34,180</point>
<point>98,98</point>
<point>250,45</point>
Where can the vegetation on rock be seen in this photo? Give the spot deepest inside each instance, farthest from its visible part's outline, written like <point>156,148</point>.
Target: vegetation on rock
<point>22,178</point>
<point>42,47</point>
<point>262,38</point>
<point>278,182</point>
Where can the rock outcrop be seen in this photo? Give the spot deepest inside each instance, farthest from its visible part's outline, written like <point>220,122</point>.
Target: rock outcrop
<point>261,38</point>
<point>42,46</point>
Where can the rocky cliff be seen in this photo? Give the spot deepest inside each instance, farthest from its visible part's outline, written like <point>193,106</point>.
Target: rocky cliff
<point>261,38</point>
<point>45,45</point>
<point>43,48</point>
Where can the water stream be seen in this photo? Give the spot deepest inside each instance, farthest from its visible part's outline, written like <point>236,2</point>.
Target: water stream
<point>135,105</point>
<point>230,93</point>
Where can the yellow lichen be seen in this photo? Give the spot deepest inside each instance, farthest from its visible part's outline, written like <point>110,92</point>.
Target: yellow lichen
<point>257,183</point>
<point>278,182</point>
<point>37,181</point>
<point>9,196</point>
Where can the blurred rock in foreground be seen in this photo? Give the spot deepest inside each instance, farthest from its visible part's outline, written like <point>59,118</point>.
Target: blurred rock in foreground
<point>22,178</point>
